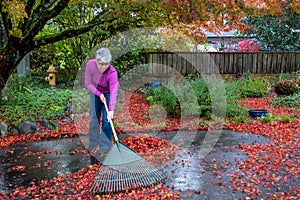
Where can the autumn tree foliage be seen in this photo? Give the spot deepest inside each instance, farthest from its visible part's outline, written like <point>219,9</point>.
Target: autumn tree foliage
<point>22,22</point>
<point>192,17</point>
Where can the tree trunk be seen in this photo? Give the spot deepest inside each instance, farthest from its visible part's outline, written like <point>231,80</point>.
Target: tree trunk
<point>4,73</point>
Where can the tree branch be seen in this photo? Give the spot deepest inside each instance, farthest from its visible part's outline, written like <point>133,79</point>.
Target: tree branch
<point>28,9</point>
<point>34,13</point>
<point>51,9</point>
<point>6,22</point>
<point>69,33</point>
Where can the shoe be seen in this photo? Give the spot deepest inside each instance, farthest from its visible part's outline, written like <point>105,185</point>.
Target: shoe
<point>103,155</point>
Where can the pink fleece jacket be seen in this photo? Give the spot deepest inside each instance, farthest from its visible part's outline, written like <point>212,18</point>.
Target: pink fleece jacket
<point>106,82</point>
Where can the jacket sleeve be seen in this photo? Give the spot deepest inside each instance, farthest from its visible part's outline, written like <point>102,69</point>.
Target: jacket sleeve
<point>113,90</point>
<point>88,79</point>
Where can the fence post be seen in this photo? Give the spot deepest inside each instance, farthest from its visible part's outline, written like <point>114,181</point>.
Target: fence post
<point>239,64</point>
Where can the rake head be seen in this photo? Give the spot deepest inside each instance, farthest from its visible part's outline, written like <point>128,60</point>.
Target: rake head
<point>123,170</point>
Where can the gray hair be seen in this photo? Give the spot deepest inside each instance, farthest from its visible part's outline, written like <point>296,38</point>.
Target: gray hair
<point>103,54</point>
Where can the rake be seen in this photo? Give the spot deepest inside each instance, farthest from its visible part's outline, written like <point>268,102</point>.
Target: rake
<point>124,170</point>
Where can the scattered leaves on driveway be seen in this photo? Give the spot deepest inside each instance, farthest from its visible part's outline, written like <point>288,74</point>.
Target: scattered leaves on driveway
<point>271,168</point>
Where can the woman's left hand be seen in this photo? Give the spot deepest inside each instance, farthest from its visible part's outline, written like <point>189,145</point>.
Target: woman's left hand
<point>110,115</point>
<point>102,98</point>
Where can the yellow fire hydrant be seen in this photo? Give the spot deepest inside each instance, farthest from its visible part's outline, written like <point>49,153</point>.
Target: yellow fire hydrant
<point>51,77</point>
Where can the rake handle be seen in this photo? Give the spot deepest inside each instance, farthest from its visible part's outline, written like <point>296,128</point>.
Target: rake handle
<point>111,124</point>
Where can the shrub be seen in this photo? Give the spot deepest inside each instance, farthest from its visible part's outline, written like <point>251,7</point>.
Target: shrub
<point>286,87</point>
<point>25,99</point>
<point>291,100</point>
<point>164,97</point>
<point>203,97</point>
<point>233,110</point>
<point>35,104</point>
<point>248,45</point>
<point>253,87</point>
<point>268,118</point>
<point>176,98</point>
<point>285,118</point>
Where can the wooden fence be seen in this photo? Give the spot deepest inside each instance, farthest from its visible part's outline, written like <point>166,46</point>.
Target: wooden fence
<point>166,63</point>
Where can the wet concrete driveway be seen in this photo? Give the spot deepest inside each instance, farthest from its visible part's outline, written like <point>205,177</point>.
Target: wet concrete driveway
<point>196,179</point>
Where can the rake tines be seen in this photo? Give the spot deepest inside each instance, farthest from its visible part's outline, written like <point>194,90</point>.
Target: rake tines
<point>137,173</point>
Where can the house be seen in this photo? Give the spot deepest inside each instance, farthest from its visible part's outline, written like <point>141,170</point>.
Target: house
<point>225,41</point>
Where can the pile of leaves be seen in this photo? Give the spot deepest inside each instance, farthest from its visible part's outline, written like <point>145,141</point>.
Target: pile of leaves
<point>154,150</point>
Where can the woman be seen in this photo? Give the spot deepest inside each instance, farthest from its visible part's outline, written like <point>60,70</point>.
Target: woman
<point>101,79</point>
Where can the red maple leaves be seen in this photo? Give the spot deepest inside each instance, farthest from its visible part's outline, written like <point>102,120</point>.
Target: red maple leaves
<point>271,168</point>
